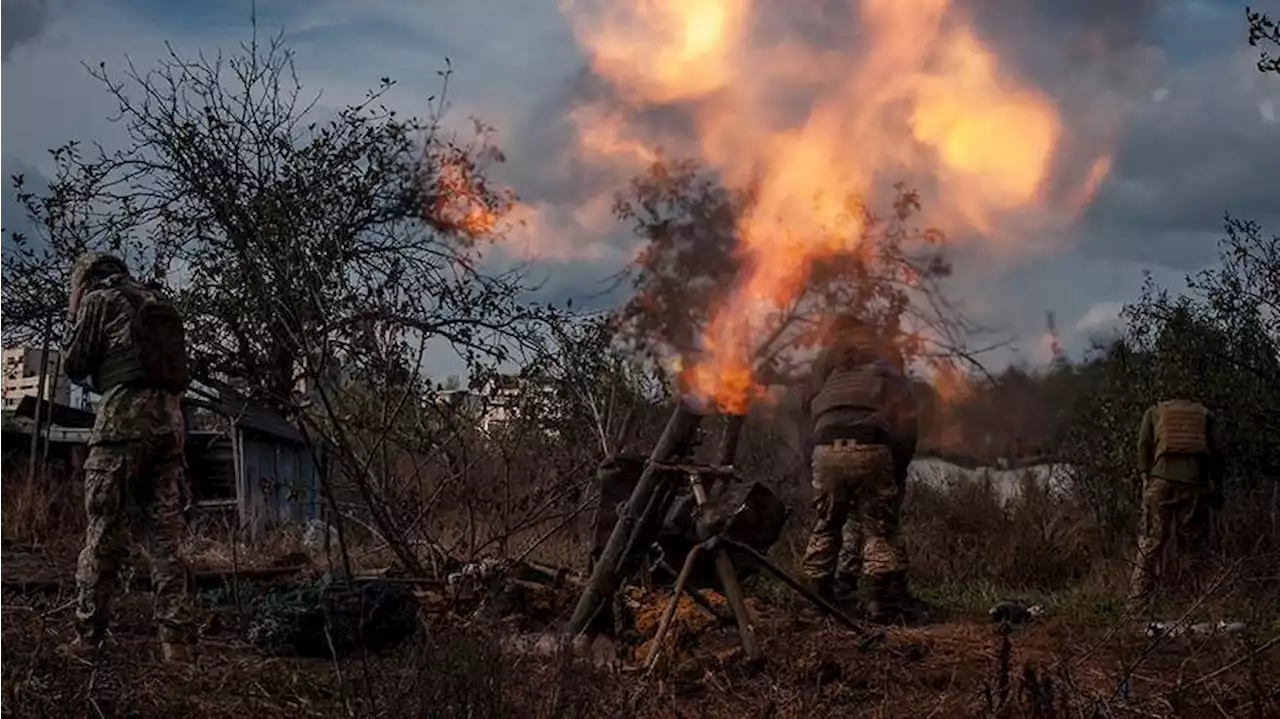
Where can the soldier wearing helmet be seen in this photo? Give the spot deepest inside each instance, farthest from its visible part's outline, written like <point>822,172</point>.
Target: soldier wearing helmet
<point>862,409</point>
<point>128,345</point>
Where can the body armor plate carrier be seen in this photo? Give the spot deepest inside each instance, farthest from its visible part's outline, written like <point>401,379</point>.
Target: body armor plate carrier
<point>157,355</point>
<point>1180,428</point>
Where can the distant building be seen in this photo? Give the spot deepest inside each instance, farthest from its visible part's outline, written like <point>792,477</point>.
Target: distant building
<point>21,377</point>
<point>501,401</point>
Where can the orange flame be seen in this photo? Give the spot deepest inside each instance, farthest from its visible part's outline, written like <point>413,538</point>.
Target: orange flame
<point>460,201</point>
<point>920,96</point>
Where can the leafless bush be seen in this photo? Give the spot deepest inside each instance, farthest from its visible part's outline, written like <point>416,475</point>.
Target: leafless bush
<point>48,507</point>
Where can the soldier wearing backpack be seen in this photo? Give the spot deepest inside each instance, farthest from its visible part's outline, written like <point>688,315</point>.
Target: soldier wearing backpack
<point>1180,464</point>
<point>862,408</point>
<point>128,345</point>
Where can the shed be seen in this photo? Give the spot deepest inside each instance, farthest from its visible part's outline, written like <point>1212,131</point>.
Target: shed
<point>66,430</point>
<point>258,463</point>
<point>250,461</point>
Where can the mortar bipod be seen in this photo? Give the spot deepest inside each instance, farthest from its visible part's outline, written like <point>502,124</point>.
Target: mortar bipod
<point>725,572</point>
<point>728,576</point>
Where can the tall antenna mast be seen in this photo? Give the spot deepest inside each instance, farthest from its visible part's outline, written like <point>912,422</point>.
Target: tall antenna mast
<point>1055,346</point>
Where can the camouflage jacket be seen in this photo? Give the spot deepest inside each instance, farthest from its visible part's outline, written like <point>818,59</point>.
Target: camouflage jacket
<point>103,322</point>
<point>1190,470</point>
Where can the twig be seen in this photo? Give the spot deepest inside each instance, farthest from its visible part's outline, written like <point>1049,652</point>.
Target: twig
<point>561,525</point>
<point>1156,641</point>
<point>1228,667</point>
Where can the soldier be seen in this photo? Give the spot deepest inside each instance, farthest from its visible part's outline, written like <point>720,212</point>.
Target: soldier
<point>859,401</point>
<point>1180,465</point>
<point>129,346</point>
<point>904,440</point>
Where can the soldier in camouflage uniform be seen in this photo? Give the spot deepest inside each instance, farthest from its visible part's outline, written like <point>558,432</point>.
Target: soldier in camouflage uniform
<point>904,442</point>
<point>133,476</point>
<point>1180,463</point>
<point>860,403</point>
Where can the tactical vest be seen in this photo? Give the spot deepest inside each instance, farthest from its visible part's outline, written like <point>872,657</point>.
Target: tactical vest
<point>860,387</point>
<point>1180,428</point>
<point>156,354</point>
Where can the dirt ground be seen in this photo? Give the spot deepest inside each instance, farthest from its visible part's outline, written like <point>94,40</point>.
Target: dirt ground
<point>1059,666</point>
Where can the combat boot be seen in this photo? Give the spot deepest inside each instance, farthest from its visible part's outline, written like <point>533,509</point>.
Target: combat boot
<point>881,603</point>
<point>846,589</point>
<point>891,600</point>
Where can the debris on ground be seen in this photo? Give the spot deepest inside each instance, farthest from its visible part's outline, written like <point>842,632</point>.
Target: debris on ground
<point>319,536</point>
<point>689,625</point>
<point>478,572</point>
<point>1177,629</point>
<point>1010,612</point>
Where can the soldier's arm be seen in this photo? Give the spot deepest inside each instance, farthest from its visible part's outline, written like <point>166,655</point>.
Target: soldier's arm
<point>1146,444</point>
<point>905,421</point>
<point>84,351</point>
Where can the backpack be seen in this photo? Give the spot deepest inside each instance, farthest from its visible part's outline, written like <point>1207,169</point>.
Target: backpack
<point>159,338</point>
<point>1180,428</point>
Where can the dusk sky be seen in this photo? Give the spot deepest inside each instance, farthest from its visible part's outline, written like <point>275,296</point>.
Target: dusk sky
<point>1169,90</point>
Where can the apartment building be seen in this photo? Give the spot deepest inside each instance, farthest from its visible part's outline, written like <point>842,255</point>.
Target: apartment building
<point>510,397</point>
<point>502,399</point>
<point>20,377</point>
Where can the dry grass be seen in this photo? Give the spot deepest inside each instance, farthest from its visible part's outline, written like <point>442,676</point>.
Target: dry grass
<point>967,550</point>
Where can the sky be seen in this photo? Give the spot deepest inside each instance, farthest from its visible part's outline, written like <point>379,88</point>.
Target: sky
<point>1168,89</point>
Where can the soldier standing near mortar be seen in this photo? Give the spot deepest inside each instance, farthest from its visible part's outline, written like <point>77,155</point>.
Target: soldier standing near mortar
<point>860,404</point>
<point>129,345</point>
<point>904,441</point>
<point>1180,465</point>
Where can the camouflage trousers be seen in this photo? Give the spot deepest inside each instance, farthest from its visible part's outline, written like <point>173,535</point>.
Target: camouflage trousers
<point>1173,514</point>
<point>133,499</point>
<point>859,503</point>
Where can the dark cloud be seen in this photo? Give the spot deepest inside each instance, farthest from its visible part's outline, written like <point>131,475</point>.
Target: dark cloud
<point>541,151</point>
<point>590,286</point>
<point>23,21</point>
<point>1208,147</point>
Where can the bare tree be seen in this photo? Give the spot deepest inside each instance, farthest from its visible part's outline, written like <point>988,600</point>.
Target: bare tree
<point>689,266</point>
<point>303,246</point>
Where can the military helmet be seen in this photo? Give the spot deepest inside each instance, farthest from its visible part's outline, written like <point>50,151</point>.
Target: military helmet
<point>90,263</point>
<point>849,330</point>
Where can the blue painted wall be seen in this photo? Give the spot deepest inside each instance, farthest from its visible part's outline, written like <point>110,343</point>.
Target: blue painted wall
<point>282,482</point>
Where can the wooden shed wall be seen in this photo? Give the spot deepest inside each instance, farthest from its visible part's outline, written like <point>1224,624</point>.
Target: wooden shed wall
<point>280,482</point>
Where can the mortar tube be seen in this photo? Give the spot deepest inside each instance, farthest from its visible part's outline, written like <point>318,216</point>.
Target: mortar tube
<point>729,440</point>
<point>684,421</point>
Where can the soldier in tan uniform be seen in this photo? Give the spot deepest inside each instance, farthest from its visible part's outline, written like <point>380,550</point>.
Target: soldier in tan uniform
<point>1180,464</point>
<point>857,399</point>
<point>128,345</point>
